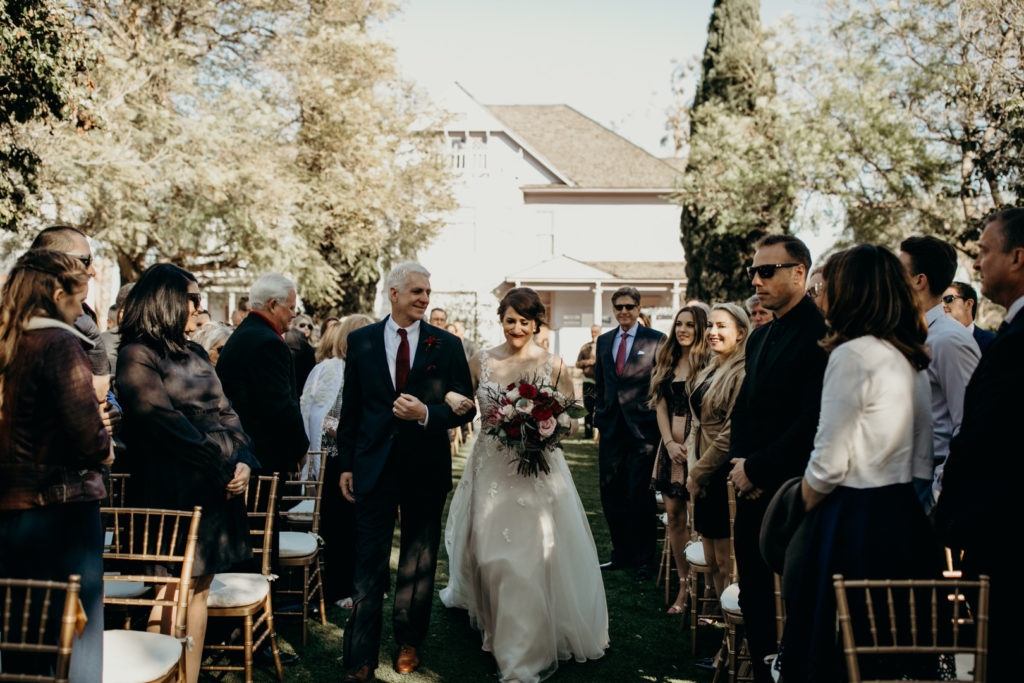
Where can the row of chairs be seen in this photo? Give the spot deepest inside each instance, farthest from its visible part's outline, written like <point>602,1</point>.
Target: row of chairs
<point>959,629</point>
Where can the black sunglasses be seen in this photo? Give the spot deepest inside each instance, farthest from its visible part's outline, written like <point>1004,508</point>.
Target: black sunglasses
<point>196,299</point>
<point>624,307</point>
<point>948,299</point>
<point>86,259</point>
<point>305,326</point>
<point>767,271</point>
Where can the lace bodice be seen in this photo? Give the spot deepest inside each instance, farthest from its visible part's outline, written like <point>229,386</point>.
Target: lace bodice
<point>488,381</point>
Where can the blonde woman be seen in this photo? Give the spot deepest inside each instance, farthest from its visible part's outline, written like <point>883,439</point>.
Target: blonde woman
<point>682,356</point>
<point>713,394</point>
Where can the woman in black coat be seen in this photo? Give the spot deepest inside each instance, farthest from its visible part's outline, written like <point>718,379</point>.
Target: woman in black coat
<point>185,444</point>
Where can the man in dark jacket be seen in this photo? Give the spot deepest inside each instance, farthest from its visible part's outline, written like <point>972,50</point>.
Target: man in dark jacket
<point>629,434</point>
<point>774,421</point>
<point>303,356</point>
<point>256,370</point>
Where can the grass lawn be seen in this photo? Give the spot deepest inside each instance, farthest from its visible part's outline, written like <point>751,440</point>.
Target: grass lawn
<point>646,644</point>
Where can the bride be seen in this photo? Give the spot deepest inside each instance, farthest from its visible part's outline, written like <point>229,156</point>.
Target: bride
<point>521,555</point>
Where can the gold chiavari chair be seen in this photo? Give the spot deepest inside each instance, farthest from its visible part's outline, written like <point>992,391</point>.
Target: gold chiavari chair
<point>301,549</point>
<point>27,635</point>
<point>247,595</point>
<point>117,489</point>
<point>734,641</point>
<point>897,604</point>
<point>142,537</point>
<point>700,590</point>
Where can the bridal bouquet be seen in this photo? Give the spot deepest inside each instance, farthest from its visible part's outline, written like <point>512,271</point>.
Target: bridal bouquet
<point>529,418</point>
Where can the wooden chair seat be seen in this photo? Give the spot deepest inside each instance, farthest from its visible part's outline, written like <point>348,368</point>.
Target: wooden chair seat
<point>139,656</point>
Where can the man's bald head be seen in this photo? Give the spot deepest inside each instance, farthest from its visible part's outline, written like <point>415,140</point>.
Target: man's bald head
<point>62,238</point>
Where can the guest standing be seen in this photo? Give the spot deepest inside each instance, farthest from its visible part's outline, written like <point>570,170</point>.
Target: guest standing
<point>213,337</point>
<point>52,445</point>
<point>303,355</point>
<point>681,357</point>
<point>774,421</point>
<point>321,409</point>
<point>982,476</point>
<point>185,444</point>
<point>629,434</point>
<point>960,302</point>
<point>585,361</point>
<point>865,522</point>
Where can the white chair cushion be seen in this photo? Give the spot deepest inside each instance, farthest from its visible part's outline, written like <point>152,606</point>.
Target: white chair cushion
<point>138,656</point>
<point>123,589</point>
<point>297,544</point>
<point>731,598</point>
<point>237,590</point>
<point>303,512</point>
<point>695,554</point>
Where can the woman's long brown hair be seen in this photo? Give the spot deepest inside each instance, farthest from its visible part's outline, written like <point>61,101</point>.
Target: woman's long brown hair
<point>868,294</point>
<point>671,351</point>
<point>28,293</point>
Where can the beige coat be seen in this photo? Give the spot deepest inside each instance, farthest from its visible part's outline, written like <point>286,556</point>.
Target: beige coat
<point>707,449</point>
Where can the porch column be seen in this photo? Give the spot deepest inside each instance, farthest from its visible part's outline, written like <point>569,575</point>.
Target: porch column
<point>598,295</point>
<point>677,290</point>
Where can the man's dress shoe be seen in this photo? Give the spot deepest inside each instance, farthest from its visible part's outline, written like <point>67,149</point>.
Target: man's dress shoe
<point>364,675</point>
<point>407,660</point>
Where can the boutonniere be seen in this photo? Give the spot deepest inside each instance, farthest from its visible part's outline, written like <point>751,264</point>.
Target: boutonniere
<point>431,342</point>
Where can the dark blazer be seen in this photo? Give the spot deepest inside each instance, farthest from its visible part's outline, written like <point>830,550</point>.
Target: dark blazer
<point>983,337</point>
<point>776,414</point>
<point>981,479</point>
<point>256,370</point>
<point>626,396</point>
<point>303,357</point>
<point>368,430</point>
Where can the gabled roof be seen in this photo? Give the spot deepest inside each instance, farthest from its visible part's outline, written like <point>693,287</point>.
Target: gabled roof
<point>558,268</point>
<point>642,270</point>
<point>584,150</point>
<point>567,269</point>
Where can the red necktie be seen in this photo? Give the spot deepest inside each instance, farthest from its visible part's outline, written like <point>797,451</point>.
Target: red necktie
<point>620,359</point>
<point>402,361</point>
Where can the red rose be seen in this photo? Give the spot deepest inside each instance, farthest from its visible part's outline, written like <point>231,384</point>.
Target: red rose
<point>527,390</point>
<point>541,413</point>
<point>513,430</point>
<point>557,409</point>
<point>510,387</point>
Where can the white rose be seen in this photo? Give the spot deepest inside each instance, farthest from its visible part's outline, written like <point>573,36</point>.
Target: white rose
<point>508,410</point>
<point>513,395</point>
<point>564,420</point>
<point>524,405</point>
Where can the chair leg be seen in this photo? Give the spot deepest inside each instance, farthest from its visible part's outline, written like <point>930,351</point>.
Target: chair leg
<point>305,601</point>
<point>247,656</point>
<point>694,609</point>
<point>320,589</point>
<point>269,607</point>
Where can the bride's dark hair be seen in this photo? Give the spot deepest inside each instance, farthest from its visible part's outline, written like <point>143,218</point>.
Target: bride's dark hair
<point>526,303</point>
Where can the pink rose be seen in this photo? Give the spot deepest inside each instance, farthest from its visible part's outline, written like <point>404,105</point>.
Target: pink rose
<point>547,427</point>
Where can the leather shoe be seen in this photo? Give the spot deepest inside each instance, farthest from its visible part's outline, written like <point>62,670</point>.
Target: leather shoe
<point>363,675</point>
<point>265,657</point>
<point>643,573</point>
<point>611,566</point>
<point>407,660</point>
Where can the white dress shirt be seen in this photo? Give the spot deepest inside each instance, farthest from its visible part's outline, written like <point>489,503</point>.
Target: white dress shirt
<point>954,354</point>
<point>874,425</point>
<point>630,337</point>
<point>391,342</point>
<point>1013,310</point>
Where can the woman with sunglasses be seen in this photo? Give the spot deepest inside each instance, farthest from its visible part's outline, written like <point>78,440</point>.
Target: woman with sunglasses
<point>185,444</point>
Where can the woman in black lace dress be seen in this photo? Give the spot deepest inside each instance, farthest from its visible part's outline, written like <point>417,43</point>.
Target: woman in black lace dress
<point>682,356</point>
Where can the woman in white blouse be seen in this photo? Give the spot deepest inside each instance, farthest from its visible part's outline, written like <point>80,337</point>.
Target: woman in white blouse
<point>874,433</point>
<point>321,407</point>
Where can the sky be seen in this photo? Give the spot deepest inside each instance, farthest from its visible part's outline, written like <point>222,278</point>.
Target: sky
<point>611,60</point>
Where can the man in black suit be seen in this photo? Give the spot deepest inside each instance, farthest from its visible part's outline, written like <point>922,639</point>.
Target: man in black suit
<point>303,355</point>
<point>629,434</point>
<point>981,482</point>
<point>394,450</point>
<point>960,302</point>
<point>773,422</point>
<point>256,370</point>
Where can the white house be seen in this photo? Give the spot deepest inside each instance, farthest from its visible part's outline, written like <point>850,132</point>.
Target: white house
<point>550,199</point>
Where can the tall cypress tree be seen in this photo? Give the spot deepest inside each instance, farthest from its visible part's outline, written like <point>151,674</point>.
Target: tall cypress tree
<point>736,79</point>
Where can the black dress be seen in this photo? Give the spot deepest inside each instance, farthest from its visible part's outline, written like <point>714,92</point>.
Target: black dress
<point>710,511</point>
<point>668,477</point>
<point>183,442</point>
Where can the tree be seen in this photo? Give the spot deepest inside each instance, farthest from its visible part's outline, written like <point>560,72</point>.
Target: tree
<point>738,185</point>
<point>43,75</point>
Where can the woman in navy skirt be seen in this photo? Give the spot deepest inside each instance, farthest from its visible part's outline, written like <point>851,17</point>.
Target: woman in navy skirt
<point>864,519</point>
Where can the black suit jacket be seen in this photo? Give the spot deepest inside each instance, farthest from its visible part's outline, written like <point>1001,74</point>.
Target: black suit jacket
<point>256,371</point>
<point>626,396</point>
<point>303,357</point>
<point>368,431</point>
<point>776,413</point>
<point>983,472</point>
<point>983,337</point>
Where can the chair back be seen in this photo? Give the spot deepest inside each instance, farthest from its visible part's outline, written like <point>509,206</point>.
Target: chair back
<point>733,570</point>
<point>260,503</point>
<point>117,489</point>
<point>298,490</point>
<point>913,616</point>
<point>27,631</point>
<point>142,537</point>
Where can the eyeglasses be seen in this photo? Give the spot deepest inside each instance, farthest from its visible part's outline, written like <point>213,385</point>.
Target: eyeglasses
<point>624,307</point>
<point>948,299</point>
<point>304,326</point>
<point>814,291</point>
<point>86,259</point>
<point>767,271</point>
<point>196,299</point>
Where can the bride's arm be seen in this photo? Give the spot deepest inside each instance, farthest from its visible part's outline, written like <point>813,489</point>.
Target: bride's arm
<point>460,404</point>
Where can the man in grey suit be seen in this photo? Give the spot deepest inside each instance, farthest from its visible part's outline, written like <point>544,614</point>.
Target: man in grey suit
<point>629,434</point>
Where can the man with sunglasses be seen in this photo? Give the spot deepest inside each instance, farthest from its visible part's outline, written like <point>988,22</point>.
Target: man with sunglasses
<point>960,301</point>
<point>931,265</point>
<point>629,434</point>
<point>773,422</point>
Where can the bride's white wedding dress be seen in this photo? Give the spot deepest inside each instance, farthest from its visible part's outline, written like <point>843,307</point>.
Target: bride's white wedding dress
<point>522,560</point>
